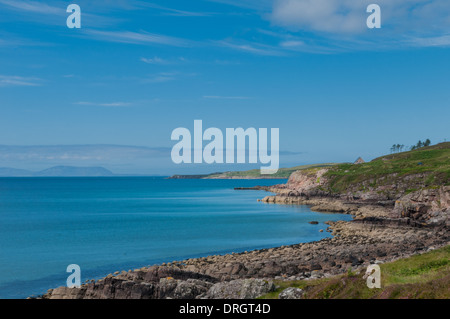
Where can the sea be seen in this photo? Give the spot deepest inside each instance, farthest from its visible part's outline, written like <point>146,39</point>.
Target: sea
<point>108,224</point>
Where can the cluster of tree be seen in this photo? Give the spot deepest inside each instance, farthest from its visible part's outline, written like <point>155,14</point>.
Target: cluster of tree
<point>421,144</point>
<point>396,148</point>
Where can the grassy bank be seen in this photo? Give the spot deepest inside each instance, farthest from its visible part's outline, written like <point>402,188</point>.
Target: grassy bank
<point>420,276</point>
<point>427,167</point>
<point>256,173</point>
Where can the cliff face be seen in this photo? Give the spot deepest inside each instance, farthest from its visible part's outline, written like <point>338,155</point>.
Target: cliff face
<point>428,206</point>
<point>320,183</point>
<point>387,178</point>
<point>307,182</point>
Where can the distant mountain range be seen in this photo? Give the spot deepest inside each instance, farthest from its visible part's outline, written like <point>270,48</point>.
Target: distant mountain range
<point>57,171</point>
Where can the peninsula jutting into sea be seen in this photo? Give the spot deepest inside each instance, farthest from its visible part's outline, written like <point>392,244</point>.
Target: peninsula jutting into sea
<point>400,205</point>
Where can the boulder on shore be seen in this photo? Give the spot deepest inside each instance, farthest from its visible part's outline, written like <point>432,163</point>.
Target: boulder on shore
<point>291,293</point>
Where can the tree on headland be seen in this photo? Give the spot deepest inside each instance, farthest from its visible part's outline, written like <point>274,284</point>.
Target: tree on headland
<point>397,148</point>
<point>421,144</point>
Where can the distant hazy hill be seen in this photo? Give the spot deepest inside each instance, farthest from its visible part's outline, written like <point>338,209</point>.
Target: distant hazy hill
<point>58,171</point>
<point>7,171</point>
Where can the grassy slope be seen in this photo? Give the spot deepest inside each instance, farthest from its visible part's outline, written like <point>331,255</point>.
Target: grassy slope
<point>435,160</point>
<point>282,172</point>
<point>421,276</point>
<point>391,169</point>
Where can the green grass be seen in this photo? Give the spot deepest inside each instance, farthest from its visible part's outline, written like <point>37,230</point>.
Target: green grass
<point>386,170</point>
<point>420,268</point>
<point>432,162</point>
<point>420,276</point>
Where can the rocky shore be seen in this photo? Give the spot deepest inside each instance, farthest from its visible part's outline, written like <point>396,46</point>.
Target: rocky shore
<point>383,229</point>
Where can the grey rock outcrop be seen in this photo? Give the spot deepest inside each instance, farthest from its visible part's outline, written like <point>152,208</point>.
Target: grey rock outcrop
<point>429,206</point>
<point>291,293</point>
<point>240,289</point>
<point>147,283</point>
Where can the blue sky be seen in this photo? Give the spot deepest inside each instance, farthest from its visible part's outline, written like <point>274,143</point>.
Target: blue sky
<point>137,70</point>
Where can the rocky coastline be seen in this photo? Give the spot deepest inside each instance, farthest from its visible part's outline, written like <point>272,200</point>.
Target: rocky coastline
<point>383,229</point>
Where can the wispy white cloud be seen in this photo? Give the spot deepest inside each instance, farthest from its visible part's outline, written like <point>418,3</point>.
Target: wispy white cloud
<point>261,5</point>
<point>110,104</point>
<point>289,42</point>
<point>225,62</point>
<point>137,38</point>
<point>161,61</point>
<point>217,97</point>
<point>73,154</point>
<point>53,12</point>
<point>155,60</point>
<point>8,39</point>
<point>320,15</point>
<point>441,41</point>
<point>255,48</point>
<point>33,6</point>
<point>174,12</point>
<point>292,44</point>
<point>12,80</point>
<point>12,43</point>
<point>161,77</point>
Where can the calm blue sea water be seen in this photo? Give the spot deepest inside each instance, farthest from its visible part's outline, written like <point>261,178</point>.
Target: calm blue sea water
<point>110,224</point>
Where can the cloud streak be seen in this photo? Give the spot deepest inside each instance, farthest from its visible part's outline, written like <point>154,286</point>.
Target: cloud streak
<point>92,154</point>
<point>154,60</point>
<point>174,12</point>
<point>142,37</point>
<point>160,61</point>
<point>442,41</point>
<point>260,5</point>
<point>54,12</point>
<point>9,80</point>
<point>217,97</point>
<point>112,104</point>
<point>254,48</point>
<point>33,6</point>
